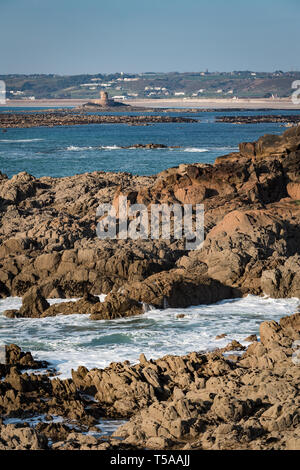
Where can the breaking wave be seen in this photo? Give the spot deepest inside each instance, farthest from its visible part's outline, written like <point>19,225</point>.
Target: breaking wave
<point>73,340</point>
<point>195,149</point>
<point>74,148</point>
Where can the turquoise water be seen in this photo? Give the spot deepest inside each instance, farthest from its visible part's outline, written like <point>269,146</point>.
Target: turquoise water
<point>64,151</point>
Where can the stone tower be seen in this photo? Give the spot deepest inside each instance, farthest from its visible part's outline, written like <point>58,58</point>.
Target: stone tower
<point>104,101</point>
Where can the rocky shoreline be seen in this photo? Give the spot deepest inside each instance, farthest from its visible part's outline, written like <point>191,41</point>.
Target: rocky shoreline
<point>198,401</point>
<point>51,119</point>
<point>49,249</point>
<point>252,214</point>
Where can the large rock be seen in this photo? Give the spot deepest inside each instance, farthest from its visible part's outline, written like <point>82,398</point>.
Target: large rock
<point>33,305</point>
<point>178,288</point>
<point>85,305</point>
<point>116,306</point>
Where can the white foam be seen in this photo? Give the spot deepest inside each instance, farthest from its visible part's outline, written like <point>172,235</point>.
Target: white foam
<point>73,148</point>
<point>195,149</point>
<point>34,420</point>
<point>73,340</point>
<point>211,149</point>
<point>10,141</point>
<point>105,427</point>
<point>110,147</point>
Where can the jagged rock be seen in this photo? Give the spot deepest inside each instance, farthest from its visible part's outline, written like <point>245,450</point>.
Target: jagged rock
<point>13,437</point>
<point>251,338</point>
<point>234,346</point>
<point>53,431</point>
<point>232,409</point>
<point>23,360</point>
<point>223,335</point>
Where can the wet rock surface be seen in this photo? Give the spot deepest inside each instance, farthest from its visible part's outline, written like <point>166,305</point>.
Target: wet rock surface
<point>196,401</point>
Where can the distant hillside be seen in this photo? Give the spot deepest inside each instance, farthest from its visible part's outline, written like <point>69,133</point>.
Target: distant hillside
<point>243,84</point>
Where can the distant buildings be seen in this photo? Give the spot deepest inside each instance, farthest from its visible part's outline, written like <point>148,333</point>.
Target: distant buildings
<point>126,79</point>
<point>21,95</point>
<point>153,85</point>
<point>17,93</point>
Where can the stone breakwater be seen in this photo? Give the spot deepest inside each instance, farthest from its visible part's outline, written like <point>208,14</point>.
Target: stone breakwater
<point>49,247</point>
<point>51,119</point>
<point>197,401</point>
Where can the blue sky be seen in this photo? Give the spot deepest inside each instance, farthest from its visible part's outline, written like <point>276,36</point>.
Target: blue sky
<point>101,36</point>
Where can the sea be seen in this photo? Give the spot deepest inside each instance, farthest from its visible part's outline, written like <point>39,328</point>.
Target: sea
<point>69,150</point>
<point>69,341</point>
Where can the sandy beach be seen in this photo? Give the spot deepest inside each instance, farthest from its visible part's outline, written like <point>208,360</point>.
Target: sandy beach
<point>280,103</point>
<point>41,103</point>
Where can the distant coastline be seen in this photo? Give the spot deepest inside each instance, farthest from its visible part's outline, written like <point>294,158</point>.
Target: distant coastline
<point>259,103</point>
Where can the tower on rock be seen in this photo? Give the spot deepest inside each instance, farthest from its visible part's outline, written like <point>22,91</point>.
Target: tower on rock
<point>103,102</point>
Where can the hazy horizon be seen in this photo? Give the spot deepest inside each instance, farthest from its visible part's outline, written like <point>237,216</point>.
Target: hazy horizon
<point>157,72</point>
<point>74,37</point>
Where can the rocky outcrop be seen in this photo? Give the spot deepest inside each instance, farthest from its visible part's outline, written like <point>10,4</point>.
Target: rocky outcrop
<point>14,437</point>
<point>150,146</point>
<point>274,145</point>
<point>67,118</point>
<point>196,401</point>
<point>250,405</point>
<point>15,358</point>
<point>288,118</point>
<point>116,306</point>
<point>49,241</point>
